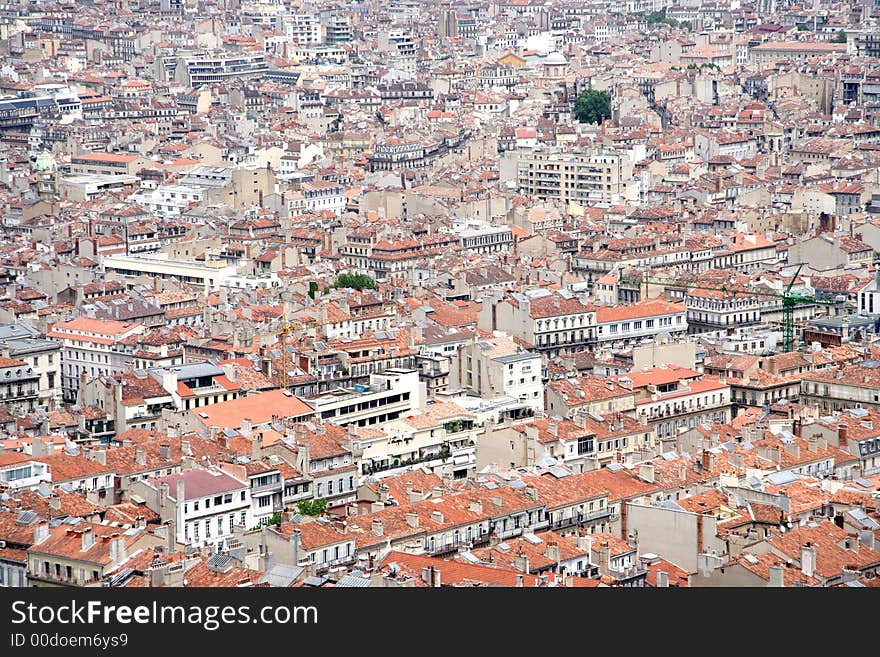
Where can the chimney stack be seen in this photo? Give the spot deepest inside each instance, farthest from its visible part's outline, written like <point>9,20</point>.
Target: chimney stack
<point>808,559</point>
<point>88,539</point>
<point>776,577</point>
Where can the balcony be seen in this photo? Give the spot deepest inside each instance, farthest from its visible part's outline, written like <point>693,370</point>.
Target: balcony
<point>322,567</point>
<point>449,548</point>
<point>272,487</point>
<point>581,518</point>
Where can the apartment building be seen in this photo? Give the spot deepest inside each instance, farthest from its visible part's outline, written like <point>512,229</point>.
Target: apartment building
<point>607,397</point>
<point>78,553</point>
<point>107,164</point>
<point>91,348</point>
<point>255,411</point>
<point>622,326</point>
<point>765,54</point>
<point>131,400</point>
<point>440,436</point>
<point>208,68</point>
<point>843,387</point>
<point>203,505</point>
<point>389,395</point>
<point>494,367</point>
<point>671,397</point>
<point>324,195</point>
<point>580,177</point>
<point>587,441</point>
<point>210,275</point>
<point>24,343</point>
<point>711,310</point>
<point>553,323</point>
<point>19,384</point>
<point>18,471</point>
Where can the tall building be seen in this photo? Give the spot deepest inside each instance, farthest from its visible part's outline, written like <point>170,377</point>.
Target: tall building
<point>573,176</point>
<point>447,26</point>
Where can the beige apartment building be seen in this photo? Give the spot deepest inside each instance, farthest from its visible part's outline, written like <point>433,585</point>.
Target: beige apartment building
<point>108,164</point>
<point>576,176</point>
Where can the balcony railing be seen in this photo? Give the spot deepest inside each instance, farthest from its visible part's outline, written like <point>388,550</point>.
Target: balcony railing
<point>274,486</point>
<point>580,518</point>
<point>341,561</point>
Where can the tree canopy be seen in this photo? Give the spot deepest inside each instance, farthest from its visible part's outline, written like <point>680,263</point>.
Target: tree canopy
<point>311,507</point>
<point>592,106</point>
<point>355,281</point>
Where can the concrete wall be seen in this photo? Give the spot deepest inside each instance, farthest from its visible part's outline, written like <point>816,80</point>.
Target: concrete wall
<point>728,576</point>
<point>502,445</point>
<point>656,355</point>
<point>673,534</point>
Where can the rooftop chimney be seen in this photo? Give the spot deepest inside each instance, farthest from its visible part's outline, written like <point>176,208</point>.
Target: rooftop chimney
<point>378,528</point>
<point>646,472</point>
<point>662,579</point>
<point>808,559</point>
<point>140,457</point>
<point>165,452</point>
<point>88,538</point>
<point>412,519</point>
<point>41,532</point>
<point>776,577</point>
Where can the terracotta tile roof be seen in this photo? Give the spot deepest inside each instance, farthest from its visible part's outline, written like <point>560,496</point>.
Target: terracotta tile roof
<point>260,408</point>
<point>455,573</point>
<point>831,554</point>
<point>64,467</point>
<point>200,483</point>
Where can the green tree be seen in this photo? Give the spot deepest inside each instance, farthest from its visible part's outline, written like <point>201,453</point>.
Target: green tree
<point>275,519</point>
<point>592,106</point>
<point>802,27</point>
<point>355,281</point>
<point>313,287</point>
<point>311,507</point>
<point>840,37</point>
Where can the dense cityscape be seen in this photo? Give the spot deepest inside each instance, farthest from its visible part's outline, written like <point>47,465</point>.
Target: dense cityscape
<point>493,293</point>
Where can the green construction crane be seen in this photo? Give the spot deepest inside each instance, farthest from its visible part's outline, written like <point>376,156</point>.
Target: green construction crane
<point>790,300</point>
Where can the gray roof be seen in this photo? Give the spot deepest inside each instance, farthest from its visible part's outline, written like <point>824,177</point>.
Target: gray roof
<point>19,346</point>
<point>512,358</point>
<point>781,478</point>
<point>314,580</point>
<point>355,579</point>
<point>194,370</point>
<point>18,330</point>
<point>281,575</point>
